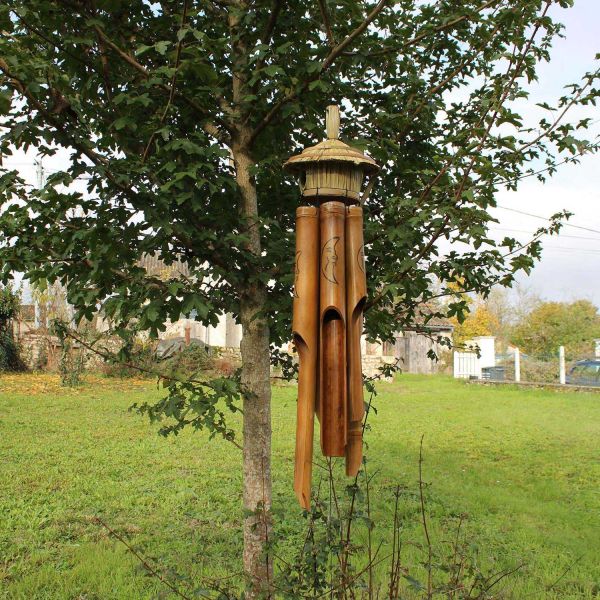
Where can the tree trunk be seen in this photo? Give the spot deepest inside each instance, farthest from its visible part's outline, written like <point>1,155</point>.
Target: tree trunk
<point>257,400</point>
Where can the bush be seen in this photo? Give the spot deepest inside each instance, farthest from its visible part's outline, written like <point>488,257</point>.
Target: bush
<point>224,366</point>
<point>141,362</point>
<point>533,370</point>
<point>72,364</point>
<point>10,353</point>
<point>10,350</point>
<point>190,360</point>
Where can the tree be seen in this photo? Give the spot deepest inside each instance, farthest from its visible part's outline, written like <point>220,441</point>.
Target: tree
<point>574,325</point>
<point>510,306</point>
<point>479,321</point>
<point>179,116</point>
<point>51,301</point>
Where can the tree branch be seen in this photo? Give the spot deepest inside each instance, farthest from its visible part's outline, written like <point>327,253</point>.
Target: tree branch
<point>326,22</point>
<point>449,24</point>
<point>270,27</point>
<point>329,60</point>
<point>210,128</point>
<point>559,118</point>
<point>173,82</point>
<point>516,73</point>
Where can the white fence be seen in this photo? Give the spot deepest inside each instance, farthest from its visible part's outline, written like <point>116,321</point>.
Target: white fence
<point>481,363</point>
<point>467,365</point>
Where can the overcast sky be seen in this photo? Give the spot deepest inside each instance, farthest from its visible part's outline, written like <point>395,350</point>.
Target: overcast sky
<point>570,267</point>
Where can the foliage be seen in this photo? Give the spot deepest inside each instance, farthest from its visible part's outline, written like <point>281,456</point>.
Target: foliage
<point>69,454</point>
<point>533,369</point>
<point>573,325</point>
<point>71,365</point>
<point>151,100</point>
<point>509,307</point>
<point>40,362</point>
<point>178,116</point>
<point>479,321</point>
<point>201,404</point>
<point>10,350</point>
<point>9,305</point>
<point>141,362</point>
<point>191,361</point>
<point>51,300</point>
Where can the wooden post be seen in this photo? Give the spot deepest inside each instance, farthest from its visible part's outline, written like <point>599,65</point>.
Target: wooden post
<point>517,365</point>
<point>561,365</point>
<point>187,334</point>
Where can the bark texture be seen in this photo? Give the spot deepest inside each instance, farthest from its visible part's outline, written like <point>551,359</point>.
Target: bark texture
<point>254,345</point>
<point>257,401</point>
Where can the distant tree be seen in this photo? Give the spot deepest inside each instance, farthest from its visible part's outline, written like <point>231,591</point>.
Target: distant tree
<point>479,321</point>
<point>179,116</point>
<point>507,308</point>
<point>573,325</point>
<point>51,302</point>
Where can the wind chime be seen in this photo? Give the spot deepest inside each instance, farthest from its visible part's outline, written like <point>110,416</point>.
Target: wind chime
<point>330,291</point>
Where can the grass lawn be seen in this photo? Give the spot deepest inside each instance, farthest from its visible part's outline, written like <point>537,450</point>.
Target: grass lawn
<point>521,466</point>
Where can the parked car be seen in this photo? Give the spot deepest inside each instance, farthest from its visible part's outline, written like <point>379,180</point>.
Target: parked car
<point>585,372</point>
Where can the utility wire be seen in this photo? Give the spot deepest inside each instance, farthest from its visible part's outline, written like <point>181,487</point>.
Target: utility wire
<point>527,214</point>
<point>561,235</point>
<point>570,249</point>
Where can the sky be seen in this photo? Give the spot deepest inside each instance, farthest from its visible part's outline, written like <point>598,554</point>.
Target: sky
<point>570,266</point>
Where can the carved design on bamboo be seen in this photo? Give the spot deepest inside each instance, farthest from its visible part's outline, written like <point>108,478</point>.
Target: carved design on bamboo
<point>329,259</point>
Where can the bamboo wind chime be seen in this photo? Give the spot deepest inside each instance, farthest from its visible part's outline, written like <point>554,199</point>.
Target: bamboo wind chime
<point>329,295</point>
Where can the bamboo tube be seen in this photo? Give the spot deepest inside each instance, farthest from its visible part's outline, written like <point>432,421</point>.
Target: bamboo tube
<point>305,332</point>
<point>356,296</point>
<point>332,379</point>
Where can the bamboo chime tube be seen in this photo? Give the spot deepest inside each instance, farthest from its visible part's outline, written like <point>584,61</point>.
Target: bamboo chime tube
<point>332,380</point>
<point>305,330</point>
<point>356,296</point>
<point>330,292</point>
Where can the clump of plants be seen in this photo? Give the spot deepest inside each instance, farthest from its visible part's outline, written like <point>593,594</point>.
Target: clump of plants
<point>72,362</point>
<point>10,350</point>
<point>141,362</point>
<point>190,361</point>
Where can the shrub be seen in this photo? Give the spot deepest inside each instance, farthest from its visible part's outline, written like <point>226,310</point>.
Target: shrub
<point>10,350</point>
<point>142,356</point>
<point>10,353</point>
<point>72,364</point>
<point>190,360</point>
<point>224,366</point>
<point>534,370</point>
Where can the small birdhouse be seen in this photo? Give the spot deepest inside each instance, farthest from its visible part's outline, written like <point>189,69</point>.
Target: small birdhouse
<point>332,169</point>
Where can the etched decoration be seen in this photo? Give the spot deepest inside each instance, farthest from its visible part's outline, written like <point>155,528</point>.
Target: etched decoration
<point>297,273</point>
<point>360,258</point>
<point>329,259</point>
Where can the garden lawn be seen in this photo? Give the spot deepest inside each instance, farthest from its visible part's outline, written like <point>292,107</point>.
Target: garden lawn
<point>519,468</point>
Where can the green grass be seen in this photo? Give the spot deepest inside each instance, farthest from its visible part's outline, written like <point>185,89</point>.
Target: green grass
<point>521,465</point>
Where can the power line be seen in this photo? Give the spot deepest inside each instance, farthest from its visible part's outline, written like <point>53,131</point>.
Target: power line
<point>568,252</point>
<point>561,235</point>
<point>522,212</point>
<point>571,249</point>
